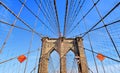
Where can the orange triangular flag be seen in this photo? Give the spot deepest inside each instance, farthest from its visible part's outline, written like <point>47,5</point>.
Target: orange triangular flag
<point>21,58</point>
<point>100,57</point>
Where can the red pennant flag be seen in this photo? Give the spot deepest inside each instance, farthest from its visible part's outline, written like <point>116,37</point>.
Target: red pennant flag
<point>21,58</point>
<point>100,57</point>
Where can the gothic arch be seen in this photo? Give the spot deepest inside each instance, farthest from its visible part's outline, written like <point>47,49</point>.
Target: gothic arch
<point>71,64</point>
<point>70,49</point>
<point>54,62</point>
<point>53,49</point>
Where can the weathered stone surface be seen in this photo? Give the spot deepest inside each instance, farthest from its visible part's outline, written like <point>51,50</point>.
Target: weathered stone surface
<point>62,46</point>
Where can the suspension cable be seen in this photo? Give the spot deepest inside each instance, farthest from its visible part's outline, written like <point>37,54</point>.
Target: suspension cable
<point>69,13</point>
<point>114,22</point>
<point>46,15</point>
<point>58,24</point>
<point>69,19</point>
<point>31,41</point>
<point>17,56</point>
<point>36,16</point>
<point>77,11</point>
<point>52,14</point>
<point>15,26</point>
<point>75,15</point>
<point>104,55</point>
<point>65,18</point>
<point>107,30</point>
<point>102,18</point>
<point>103,67</point>
<point>11,29</point>
<point>40,35</point>
<point>37,58</point>
<point>84,16</point>
<point>84,22</point>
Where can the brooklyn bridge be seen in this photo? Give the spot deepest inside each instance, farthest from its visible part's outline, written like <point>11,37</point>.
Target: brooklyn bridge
<point>59,36</point>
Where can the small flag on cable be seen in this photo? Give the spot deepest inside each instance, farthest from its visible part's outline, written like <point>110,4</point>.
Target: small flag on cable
<point>21,58</point>
<point>100,56</point>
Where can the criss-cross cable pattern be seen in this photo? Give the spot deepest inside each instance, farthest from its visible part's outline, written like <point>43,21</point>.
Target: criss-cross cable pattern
<point>24,22</point>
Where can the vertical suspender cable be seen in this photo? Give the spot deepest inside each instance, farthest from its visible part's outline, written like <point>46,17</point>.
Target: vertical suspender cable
<point>36,60</point>
<point>107,31</point>
<point>29,49</point>
<point>87,13</point>
<point>11,29</point>
<point>91,45</point>
<point>103,66</point>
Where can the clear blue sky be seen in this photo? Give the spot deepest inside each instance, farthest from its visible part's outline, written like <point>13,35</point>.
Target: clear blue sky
<point>19,40</point>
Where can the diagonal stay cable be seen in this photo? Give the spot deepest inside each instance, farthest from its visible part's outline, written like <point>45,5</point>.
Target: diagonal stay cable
<point>111,39</point>
<point>104,55</point>
<point>31,41</point>
<point>52,17</point>
<point>44,11</point>
<point>18,56</point>
<point>51,4</point>
<point>46,15</point>
<point>6,23</point>
<point>117,21</point>
<point>11,29</point>
<point>70,5</point>
<point>112,23</point>
<point>102,18</point>
<point>77,12</point>
<point>65,18</point>
<point>17,16</point>
<point>73,8</point>
<point>73,13</point>
<point>58,24</point>
<point>76,8</point>
<point>36,16</point>
<point>84,16</point>
<point>91,45</point>
<point>40,35</point>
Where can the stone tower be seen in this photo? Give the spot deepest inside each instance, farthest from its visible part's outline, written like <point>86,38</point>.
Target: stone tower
<point>62,46</point>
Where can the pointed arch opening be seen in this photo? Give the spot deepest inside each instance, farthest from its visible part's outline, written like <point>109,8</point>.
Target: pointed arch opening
<point>71,62</point>
<point>54,62</point>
